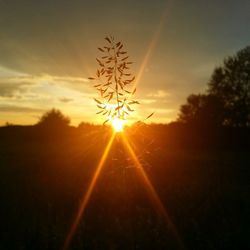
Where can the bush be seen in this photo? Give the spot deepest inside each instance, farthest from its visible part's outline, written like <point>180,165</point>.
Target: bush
<point>54,118</point>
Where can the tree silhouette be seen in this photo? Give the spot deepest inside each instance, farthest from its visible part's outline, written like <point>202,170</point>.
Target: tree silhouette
<point>227,100</point>
<point>231,84</point>
<point>54,118</point>
<point>203,110</point>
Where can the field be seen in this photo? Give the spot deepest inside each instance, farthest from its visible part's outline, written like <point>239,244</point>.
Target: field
<point>204,188</point>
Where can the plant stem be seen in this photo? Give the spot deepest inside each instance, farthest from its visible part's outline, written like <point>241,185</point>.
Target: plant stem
<point>116,84</point>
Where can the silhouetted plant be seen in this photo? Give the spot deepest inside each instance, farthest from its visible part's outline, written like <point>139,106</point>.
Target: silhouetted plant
<point>113,81</point>
<point>54,118</point>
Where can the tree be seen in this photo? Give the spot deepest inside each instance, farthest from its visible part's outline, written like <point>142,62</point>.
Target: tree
<point>202,110</point>
<point>227,100</point>
<point>231,84</point>
<point>53,119</point>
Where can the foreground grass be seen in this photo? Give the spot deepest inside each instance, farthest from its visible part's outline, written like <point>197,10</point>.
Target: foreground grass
<point>205,191</point>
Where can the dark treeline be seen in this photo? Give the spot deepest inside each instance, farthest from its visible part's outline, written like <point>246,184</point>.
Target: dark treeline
<point>171,135</point>
<point>227,99</point>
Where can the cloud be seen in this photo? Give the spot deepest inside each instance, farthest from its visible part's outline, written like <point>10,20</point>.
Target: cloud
<point>70,79</point>
<point>8,90</point>
<point>13,89</point>
<point>65,99</point>
<point>18,109</point>
<point>22,95</point>
<point>159,94</point>
<point>15,84</point>
<point>147,101</point>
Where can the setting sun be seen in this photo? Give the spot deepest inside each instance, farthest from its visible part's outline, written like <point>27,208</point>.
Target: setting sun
<point>118,124</point>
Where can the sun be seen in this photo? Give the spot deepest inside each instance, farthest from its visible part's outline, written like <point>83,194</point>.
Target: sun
<point>118,124</point>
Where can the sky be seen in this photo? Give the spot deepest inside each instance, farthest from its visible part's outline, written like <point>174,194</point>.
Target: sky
<point>48,50</point>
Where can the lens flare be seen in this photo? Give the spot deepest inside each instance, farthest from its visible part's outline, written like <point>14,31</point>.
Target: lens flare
<point>89,191</point>
<point>152,193</point>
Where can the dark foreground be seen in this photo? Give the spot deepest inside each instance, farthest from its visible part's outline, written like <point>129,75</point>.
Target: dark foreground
<point>202,182</point>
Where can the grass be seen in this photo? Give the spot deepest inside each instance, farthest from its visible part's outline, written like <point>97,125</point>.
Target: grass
<point>205,191</point>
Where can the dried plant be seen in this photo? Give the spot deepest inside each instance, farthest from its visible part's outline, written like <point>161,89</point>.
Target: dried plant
<point>114,81</point>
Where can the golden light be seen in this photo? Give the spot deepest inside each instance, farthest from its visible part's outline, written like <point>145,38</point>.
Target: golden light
<point>118,124</point>
<point>152,193</point>
<point>88,193</point>
<point>118,127</point>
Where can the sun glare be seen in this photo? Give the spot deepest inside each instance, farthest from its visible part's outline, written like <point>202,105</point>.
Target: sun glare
<point>118,124</point>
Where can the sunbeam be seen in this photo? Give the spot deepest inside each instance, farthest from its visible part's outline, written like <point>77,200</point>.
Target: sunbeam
<point>152,45</point>
<point>152,193</point>
<point>87,196</point>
